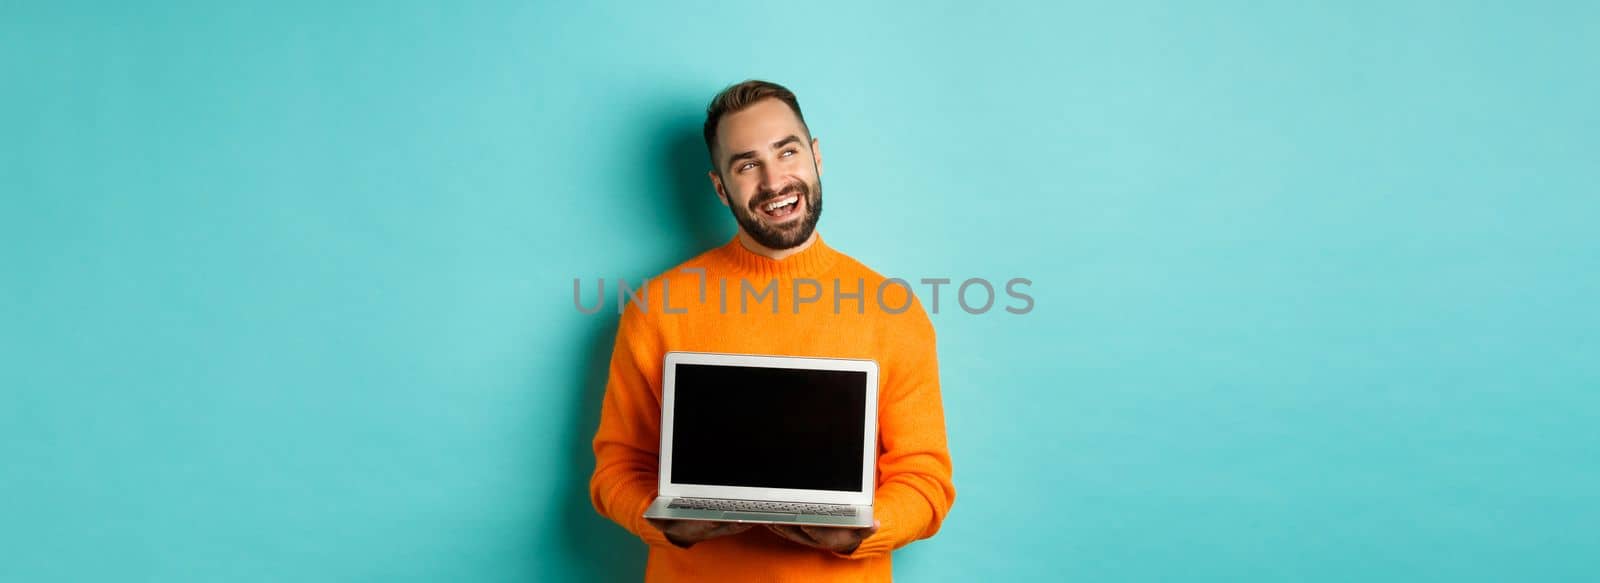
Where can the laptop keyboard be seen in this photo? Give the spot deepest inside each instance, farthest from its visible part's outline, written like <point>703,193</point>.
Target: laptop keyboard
<point>762,506</point>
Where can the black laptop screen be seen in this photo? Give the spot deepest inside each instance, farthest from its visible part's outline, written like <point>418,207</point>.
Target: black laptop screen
<point>768,427</point>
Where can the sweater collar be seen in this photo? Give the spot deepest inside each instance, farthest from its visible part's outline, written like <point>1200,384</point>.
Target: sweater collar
<point>812,261</point>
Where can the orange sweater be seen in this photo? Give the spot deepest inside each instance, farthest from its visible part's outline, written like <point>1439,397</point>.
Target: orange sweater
<point>914,489</point>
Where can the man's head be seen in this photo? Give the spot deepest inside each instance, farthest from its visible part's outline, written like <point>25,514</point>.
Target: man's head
<point>766,167</point>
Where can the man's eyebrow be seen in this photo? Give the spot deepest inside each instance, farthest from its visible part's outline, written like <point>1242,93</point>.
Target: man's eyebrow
<point>791,138</point>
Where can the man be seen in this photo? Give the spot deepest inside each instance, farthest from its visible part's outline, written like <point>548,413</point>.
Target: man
<point>767,168</point>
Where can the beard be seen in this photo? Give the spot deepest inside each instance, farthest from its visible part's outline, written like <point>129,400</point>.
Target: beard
<point>788,235</point>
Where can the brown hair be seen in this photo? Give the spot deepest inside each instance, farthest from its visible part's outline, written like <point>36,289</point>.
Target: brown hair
<point>742,95</point>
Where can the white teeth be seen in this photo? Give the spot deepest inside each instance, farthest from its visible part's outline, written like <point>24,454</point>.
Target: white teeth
<point>784,202</point>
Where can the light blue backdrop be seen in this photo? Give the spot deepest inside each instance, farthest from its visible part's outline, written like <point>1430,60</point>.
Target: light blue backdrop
<point>287,287</point>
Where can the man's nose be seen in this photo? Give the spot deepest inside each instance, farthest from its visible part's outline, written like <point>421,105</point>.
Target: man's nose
<point>772,182</point>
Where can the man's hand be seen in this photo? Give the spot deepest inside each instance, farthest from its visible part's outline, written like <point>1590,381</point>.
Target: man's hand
<point>685,533</point>
<point>829,538</point>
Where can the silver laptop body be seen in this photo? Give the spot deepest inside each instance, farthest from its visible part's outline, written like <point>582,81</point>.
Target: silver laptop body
<point>767,439</point>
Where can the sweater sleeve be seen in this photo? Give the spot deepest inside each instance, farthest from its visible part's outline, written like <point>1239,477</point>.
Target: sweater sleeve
<point>915,490</point>
<point>626,445</point>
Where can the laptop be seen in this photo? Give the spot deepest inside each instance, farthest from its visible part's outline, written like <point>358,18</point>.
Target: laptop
<point>767,439</point>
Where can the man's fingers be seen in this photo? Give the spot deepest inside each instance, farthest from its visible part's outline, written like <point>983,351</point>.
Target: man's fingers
<point>792,533</point>
<point>820,534</point>
<point>721,528</point>
<point>698,529</point>
<point>824,537</point>
<point>836,536</point>
<point>786,532</point>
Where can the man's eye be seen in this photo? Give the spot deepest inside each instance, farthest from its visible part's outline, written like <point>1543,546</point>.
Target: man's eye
<point>787,152</point>
<point>746,166</point>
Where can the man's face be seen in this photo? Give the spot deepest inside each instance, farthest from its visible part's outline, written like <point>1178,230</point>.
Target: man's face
<point>769,175</point>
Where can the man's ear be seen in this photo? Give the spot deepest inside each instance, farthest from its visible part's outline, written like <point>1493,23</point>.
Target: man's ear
<point>816,152</point>
<point>716,183</point>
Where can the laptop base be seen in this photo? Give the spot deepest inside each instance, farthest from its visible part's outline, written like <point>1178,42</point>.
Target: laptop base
<point>659,509</point>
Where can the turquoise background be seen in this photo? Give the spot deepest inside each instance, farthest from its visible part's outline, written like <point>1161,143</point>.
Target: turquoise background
<point>287,287</point>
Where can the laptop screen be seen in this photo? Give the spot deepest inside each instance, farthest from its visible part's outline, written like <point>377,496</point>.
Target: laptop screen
<point>768,427</point>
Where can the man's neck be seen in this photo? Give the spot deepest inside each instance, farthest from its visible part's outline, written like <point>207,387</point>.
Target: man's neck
<point>775,254</point>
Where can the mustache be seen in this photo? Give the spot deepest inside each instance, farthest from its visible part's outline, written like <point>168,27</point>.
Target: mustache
<point>797,188</point>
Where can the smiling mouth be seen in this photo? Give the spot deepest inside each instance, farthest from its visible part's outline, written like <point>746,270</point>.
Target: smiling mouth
<point>782,207</point>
